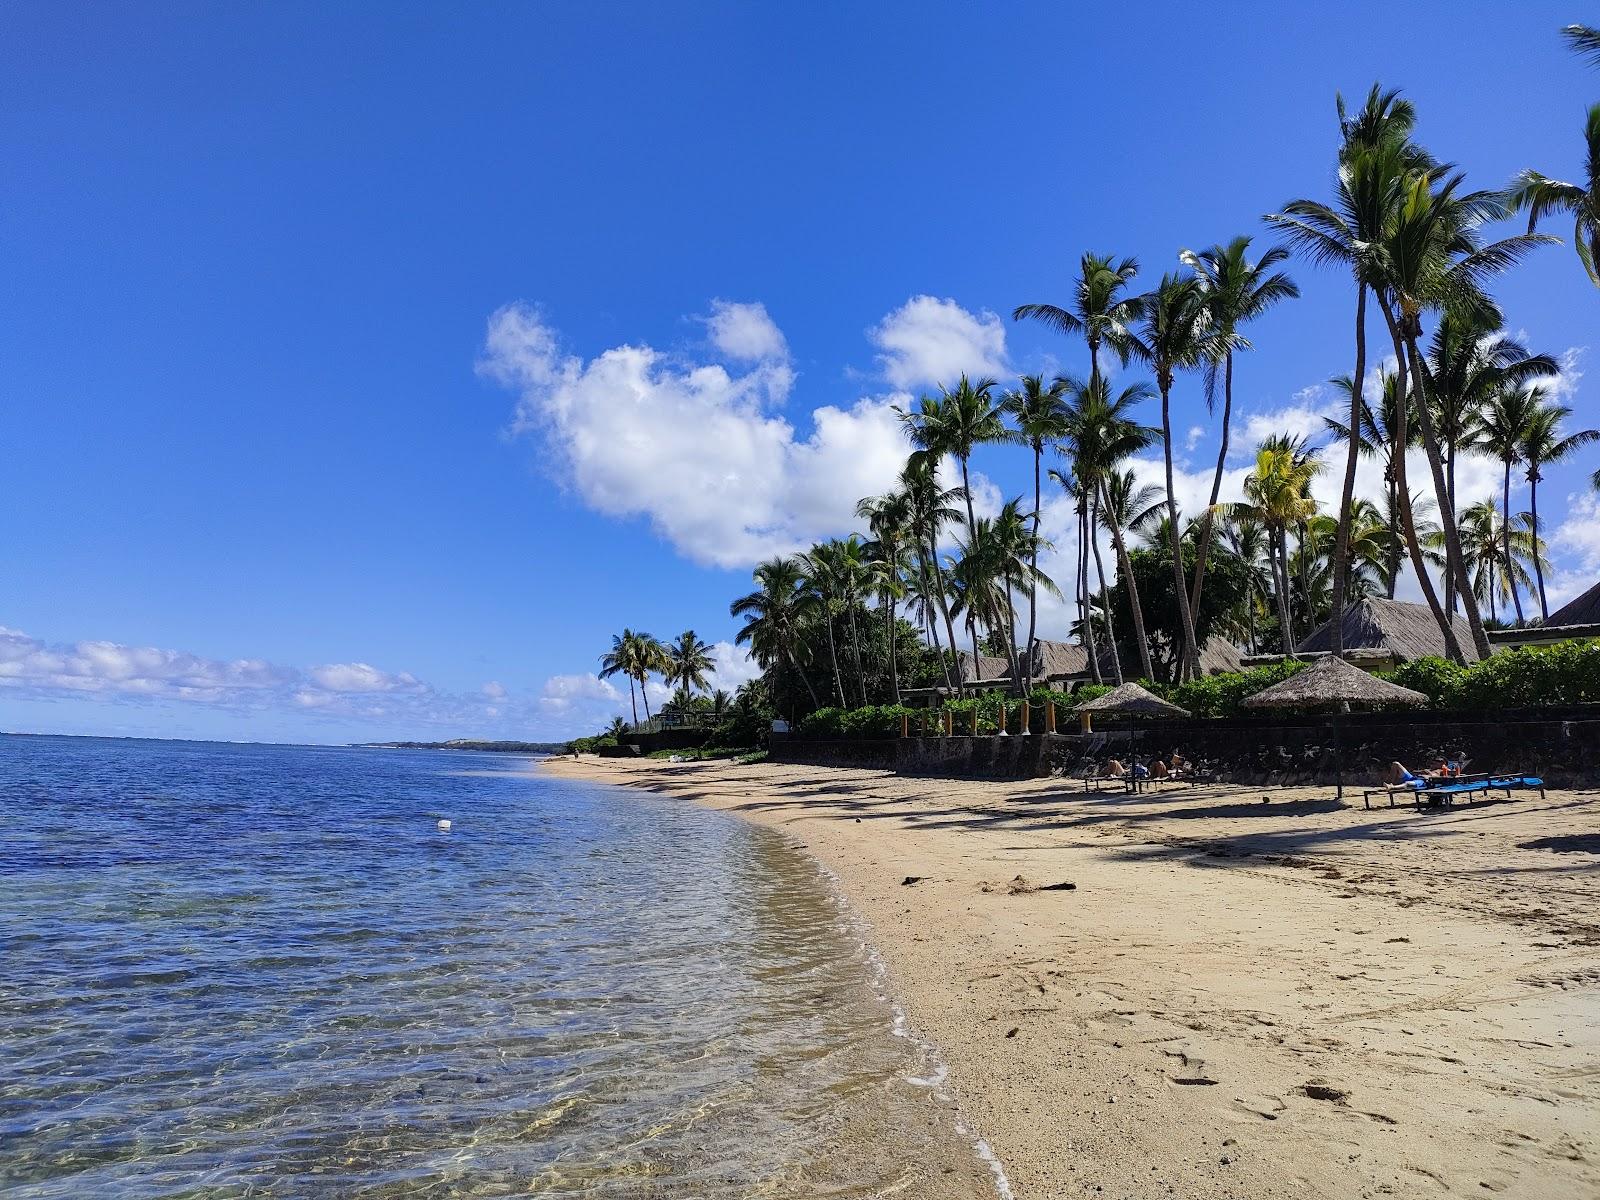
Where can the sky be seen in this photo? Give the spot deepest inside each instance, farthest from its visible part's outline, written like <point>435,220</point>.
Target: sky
<point>365,367</point>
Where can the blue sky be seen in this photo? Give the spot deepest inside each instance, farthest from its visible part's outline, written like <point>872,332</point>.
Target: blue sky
<point>265,403</point>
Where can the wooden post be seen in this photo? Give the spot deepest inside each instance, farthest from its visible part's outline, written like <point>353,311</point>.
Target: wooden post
<point>948,723</point>
<point>1002,726</point>
<point>1027,718</point>
<point>1049,716</point>
<point>974,718</point>
<point>1086,721</point>
<point>905,725</point>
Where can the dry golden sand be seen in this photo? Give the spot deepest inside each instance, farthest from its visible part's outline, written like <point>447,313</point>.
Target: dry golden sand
<point>1239,999</point>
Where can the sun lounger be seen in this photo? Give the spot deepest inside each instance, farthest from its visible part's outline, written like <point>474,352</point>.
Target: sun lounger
<point>1516,783</point>
<point>1446,794</point>
<point>1401,789</point>
<point>1103,777</point>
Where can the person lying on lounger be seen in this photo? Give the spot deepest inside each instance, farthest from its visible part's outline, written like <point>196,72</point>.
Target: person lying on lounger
<point>1158,770</point>
<point>1398,776</point>
<point>1116,770</point>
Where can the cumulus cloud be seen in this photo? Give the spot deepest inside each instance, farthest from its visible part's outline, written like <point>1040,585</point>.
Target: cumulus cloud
<point>732,666</point>
<point>744,332</point>
<point>395,703</point>
<point>1579,533</point>
<point>695,448</point>
<point>929,341</point>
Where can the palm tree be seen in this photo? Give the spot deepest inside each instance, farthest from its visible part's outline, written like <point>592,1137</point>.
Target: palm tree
<point>777,616</point>
<point>1585,40</point>
<point>1539,194</point>
<point>1173,335</point>
<point>645,656</point>
<point>954,423</point>
<point>839,572</point>
<point>1079,489</point>
<point>1496,554</point>
<point>1374,155</point>
<point>1278,494</point>
<point>1251,544</point>
<point>689,663</point>
<point>721,702</point>
<point>1101,311</point>
<point>1431,257</point>
<point>1468,363</point>
<point>1104,436</point>
<point>1505,423</point>
<point>619,661</point>
<point>1543,443</point>
<point>930,508</point>
<point>1236,291</point>
<point>1040,412</point>
<point>888,519</point>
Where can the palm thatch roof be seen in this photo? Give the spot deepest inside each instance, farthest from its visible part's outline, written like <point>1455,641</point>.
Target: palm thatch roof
<point>1133,700</point>
<point>1058,661</point>
<point>1220,657</point>
<point>1402,631</point>
<point>991,668</point>
<point>1582,610</point>
<point>1331,680</point>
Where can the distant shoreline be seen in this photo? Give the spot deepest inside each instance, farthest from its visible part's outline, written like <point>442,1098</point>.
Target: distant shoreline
<point>467,744</point>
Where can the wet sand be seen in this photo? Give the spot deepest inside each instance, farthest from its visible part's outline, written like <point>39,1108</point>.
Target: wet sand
<point>1247,993</point>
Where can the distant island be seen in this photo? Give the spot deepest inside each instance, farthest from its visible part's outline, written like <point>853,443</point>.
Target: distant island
<point>468,744</point>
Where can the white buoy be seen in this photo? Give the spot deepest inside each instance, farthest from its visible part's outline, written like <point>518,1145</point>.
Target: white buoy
<point>444,825</point>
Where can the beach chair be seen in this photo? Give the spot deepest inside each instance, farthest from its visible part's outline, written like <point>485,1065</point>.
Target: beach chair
<point>1401,789</point>
<point>1446,794</point>
<point>1509,783</point>
<point>1098,775</point>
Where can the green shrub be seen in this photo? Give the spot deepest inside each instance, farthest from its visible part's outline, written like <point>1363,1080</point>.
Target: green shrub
<point>1224,695</point>
<point>1438,679</point>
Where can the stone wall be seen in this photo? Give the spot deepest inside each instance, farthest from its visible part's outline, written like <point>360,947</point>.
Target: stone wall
<point>1563,746</point>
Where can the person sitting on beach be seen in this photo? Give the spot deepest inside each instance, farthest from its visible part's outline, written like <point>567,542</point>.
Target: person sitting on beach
<point>1158,770</point>
<point>1396,775</point>
<point>1116,770</point>
<point>1181,766</point>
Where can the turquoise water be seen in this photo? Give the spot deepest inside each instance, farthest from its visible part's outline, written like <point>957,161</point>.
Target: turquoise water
<point>263,971</point>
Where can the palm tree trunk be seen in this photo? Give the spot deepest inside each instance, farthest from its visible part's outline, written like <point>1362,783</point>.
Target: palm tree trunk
<point>894,664</point>
<point>833,658</point>
<point>633,703</point>
<point>1125,565</point>
<point>855,651</point>
<point>645,695</point>
<point>1203,550</point>
<point>1538,563</point>
<point>1010,622</point>
<point>1454,561</point>
<point>1450,490</point>
<point>1408,519</point>
<point>1341,552</point>
<point>933,621</point>
<point>944,607</point>
<point>1280,585</point>
<point>1105,596</point>
<point>1083,593</point>
<point>1396,541</point>
<point>1505,521</point>
<point>804,678</point>
<point>1033,571</point>
<point>1189,657</point>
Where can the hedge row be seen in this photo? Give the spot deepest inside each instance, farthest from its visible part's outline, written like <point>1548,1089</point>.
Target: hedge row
<point>1527,677</point>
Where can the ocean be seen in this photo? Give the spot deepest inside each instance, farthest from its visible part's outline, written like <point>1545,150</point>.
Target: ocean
<point>248,970</point>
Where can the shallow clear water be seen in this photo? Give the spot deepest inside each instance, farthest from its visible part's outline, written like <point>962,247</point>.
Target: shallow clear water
<point>262,971</point>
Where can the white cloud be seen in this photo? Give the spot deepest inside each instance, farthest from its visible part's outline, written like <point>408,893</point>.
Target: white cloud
<point>693,448</point>
<point>928,341</point>
<point>745,332</point>
<point>561,693</point>
<point>359,677</point>
<point>494,690</point>
<point>1579,533</point>
<point>733,666</point>
<point>1194,437</point>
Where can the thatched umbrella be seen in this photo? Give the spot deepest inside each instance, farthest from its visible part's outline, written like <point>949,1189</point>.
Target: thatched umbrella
<point>1134,701</point>
<point>1331,680</point>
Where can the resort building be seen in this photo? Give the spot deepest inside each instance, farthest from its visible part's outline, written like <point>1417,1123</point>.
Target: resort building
<point>1578,618</point>
<point>1385,633</point>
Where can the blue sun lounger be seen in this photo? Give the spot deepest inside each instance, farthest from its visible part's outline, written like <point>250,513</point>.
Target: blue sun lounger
<point>1446,794</point>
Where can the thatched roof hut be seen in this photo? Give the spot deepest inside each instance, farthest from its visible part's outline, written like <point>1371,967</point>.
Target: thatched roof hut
<point>1583,610</point>
<point>1132,700</point>
<point>990,669</point>
<point>1068,662</point>
<point>1400,632</point>
<point>1331,680</point>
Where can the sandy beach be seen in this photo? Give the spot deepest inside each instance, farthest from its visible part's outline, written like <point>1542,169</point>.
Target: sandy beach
<point>1244,993</point>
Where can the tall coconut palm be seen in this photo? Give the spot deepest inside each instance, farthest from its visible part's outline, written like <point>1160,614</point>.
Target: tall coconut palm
<point>887,518</point>
<point>1495,555</point>
<point>1384,428</point>
<point>1236,291</point>
<point>619,660</point>
<point>1125,505</point>
<point>955,423</point>
<point>1102,312</point>
<point>1585,40</point>
<point>1251,544</point>
<point>839,570</point>
<point>1505,421</point>
<point>689,663</point>
<point>1040,412</point>
<point>1174,335</point>
<point>1544,442</point>
<point>1374,156</point>
<point>1430,257</point>
<point>930,507</point>
<point>1538,194</point>
<point>1468,363</point>
<point>1278,494</point>
<point>1078,489</point>
<point>778,615</point>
